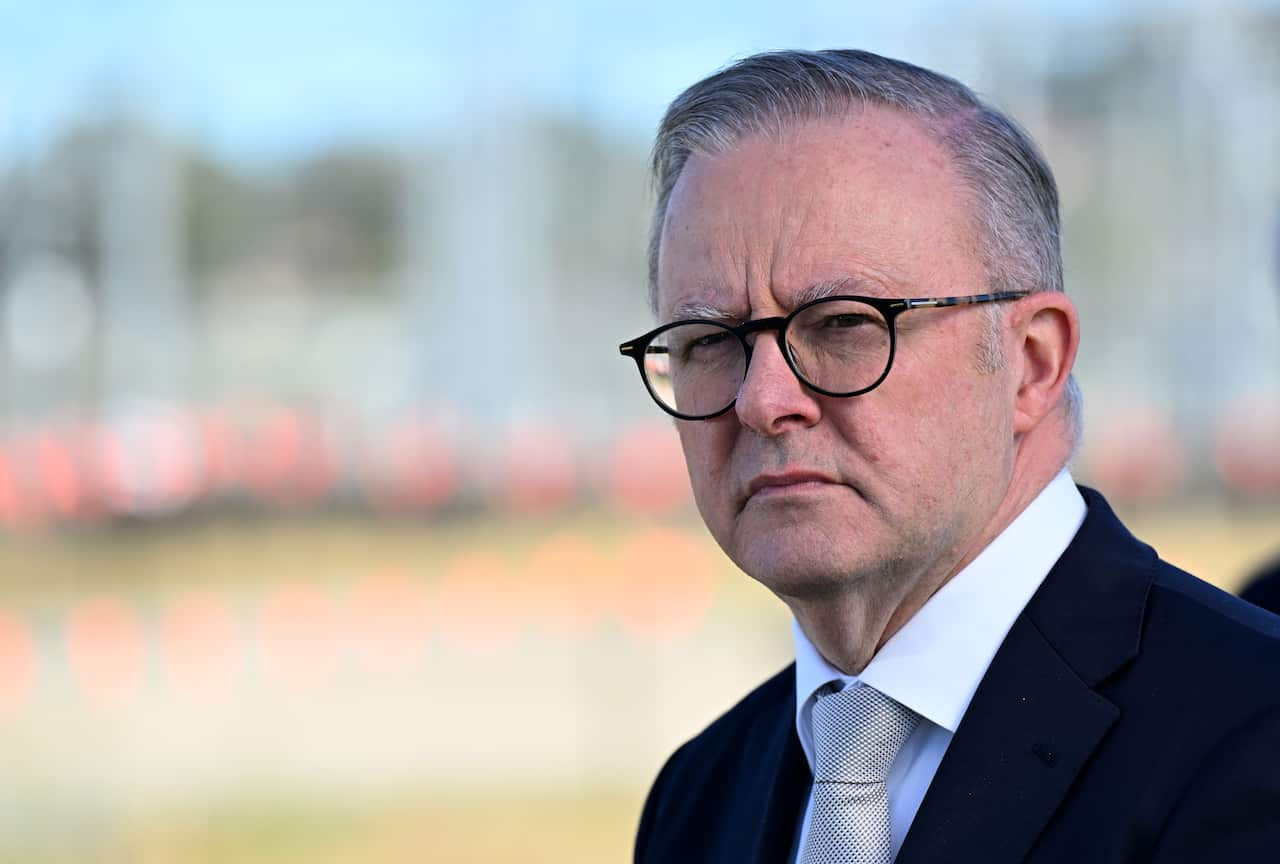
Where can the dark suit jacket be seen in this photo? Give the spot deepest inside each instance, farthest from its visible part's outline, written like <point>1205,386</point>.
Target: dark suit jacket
<point>1131,714</point>
<point>1264,588</point>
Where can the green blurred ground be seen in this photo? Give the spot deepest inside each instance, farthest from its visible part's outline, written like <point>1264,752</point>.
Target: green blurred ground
<point>533,828</point>
<point>589,819</point>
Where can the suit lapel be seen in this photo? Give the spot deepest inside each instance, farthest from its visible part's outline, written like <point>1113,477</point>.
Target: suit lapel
<point>780,781</point>
<point>1036,717</point>
<point>1031,726</point>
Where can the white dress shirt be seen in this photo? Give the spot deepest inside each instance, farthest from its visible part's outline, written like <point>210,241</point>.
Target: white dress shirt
<point>934,663</point>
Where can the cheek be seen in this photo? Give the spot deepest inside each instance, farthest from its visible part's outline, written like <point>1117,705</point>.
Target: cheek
<point>917,430</point>
<point>885,430</point>
<point>707,445</point>
<point>958,439</point>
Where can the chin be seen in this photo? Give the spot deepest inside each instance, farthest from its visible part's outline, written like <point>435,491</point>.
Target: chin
<point>809,550</point>
<point>794,567</point>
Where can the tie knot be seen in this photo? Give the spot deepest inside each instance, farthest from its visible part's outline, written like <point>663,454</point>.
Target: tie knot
<point>857,733</point>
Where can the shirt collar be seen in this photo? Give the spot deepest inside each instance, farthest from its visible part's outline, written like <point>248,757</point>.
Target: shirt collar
<point>934,663</point>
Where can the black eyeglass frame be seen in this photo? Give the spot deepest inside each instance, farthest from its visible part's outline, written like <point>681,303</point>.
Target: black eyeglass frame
<point>890,308</point>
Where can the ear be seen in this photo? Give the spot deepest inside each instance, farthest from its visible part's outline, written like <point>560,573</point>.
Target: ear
<point>1047,333</point>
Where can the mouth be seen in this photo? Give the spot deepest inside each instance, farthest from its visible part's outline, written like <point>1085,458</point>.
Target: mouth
<point>787,483</point>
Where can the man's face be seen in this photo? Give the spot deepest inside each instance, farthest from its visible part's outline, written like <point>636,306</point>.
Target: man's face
<point>808,493</point>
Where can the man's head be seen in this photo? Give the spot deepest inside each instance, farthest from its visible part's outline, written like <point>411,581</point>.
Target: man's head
<point>790,173</point>
<point>1015,197</point>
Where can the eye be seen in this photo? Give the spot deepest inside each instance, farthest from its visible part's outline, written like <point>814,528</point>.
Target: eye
<point>700,343</point>
<point>709,345</point>
<point>845,320</point>
<point>710,339</point>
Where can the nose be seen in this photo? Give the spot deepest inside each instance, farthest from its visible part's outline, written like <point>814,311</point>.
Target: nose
<point>771,400</point>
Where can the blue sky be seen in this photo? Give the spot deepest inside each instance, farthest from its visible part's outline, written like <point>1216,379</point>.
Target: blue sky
<point>259,80</point>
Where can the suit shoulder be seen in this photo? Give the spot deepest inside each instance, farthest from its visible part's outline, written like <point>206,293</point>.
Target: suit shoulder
<point>1214,634</point>
<point>749,726</point>
<point>1263,589</point>
<point>1193,598</point>
<point>754,714</point>
<point>715,758</point>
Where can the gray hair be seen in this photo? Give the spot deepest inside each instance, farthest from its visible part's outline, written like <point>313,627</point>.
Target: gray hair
<point>1015,195</point>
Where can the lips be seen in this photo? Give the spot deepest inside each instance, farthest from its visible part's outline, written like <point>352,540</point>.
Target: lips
<point>785,478</point>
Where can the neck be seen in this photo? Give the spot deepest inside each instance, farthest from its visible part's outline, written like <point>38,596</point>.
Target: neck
<point>849,625</point>
<point>847,629</point>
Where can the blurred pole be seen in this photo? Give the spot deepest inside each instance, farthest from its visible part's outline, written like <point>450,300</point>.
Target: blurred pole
<point>1248,196</point>
<point>146,309</point>
<point>46,306</point>
<point>1222,341</point>
<point>1129,279</point>
<point>1206,264</point>
<point>478,240</point>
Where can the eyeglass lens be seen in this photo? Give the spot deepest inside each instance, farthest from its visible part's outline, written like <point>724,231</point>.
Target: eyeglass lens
<point>839,346</point>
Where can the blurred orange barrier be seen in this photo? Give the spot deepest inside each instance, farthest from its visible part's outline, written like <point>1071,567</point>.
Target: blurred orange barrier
<point>24,502</point>
<point>298,637</point>
<point>222,446</point>
<point>647,470</point>
<point>389,618</point>
<point>61,474</point>
<point>148,462</point>
<point>290,460</point>
<point>15,504</point>
<point>1247,447</point>
<point>17,662</point>
<point>413,467</point>
<point>571,586</point>
<point>667,585</point>
<point>479,606</point>
<point>1137,456</point>
<point>201,646</point>
<point>537,470</point>
<point>105,651</point>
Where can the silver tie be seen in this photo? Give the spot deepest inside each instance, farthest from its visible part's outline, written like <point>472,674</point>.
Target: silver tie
<point>856,736</point>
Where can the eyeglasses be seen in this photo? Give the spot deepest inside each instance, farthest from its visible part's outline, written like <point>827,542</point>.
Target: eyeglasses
<point>837,346</point>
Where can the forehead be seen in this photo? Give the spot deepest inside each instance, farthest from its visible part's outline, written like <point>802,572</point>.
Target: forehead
<point>871,198</point>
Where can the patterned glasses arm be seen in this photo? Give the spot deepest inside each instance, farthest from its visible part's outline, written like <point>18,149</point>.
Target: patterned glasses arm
<point>938,302</point>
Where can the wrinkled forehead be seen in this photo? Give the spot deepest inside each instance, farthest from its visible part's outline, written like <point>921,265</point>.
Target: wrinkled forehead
<point>856,199</point>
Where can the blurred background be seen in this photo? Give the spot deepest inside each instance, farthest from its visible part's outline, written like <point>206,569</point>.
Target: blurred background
<point>333,527</point>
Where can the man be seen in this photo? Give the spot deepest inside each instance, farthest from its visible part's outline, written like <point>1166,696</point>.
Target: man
<point>856,268</point>
<point>1263,588</point>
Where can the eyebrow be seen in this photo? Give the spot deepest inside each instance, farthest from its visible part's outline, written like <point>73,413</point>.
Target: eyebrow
<point>816,291</point>
<point>699,309</point>
<point>830,287</point>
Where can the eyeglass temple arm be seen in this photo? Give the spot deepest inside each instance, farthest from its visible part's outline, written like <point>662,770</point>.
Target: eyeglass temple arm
<point>923,302</point>
<point>628,349</point>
